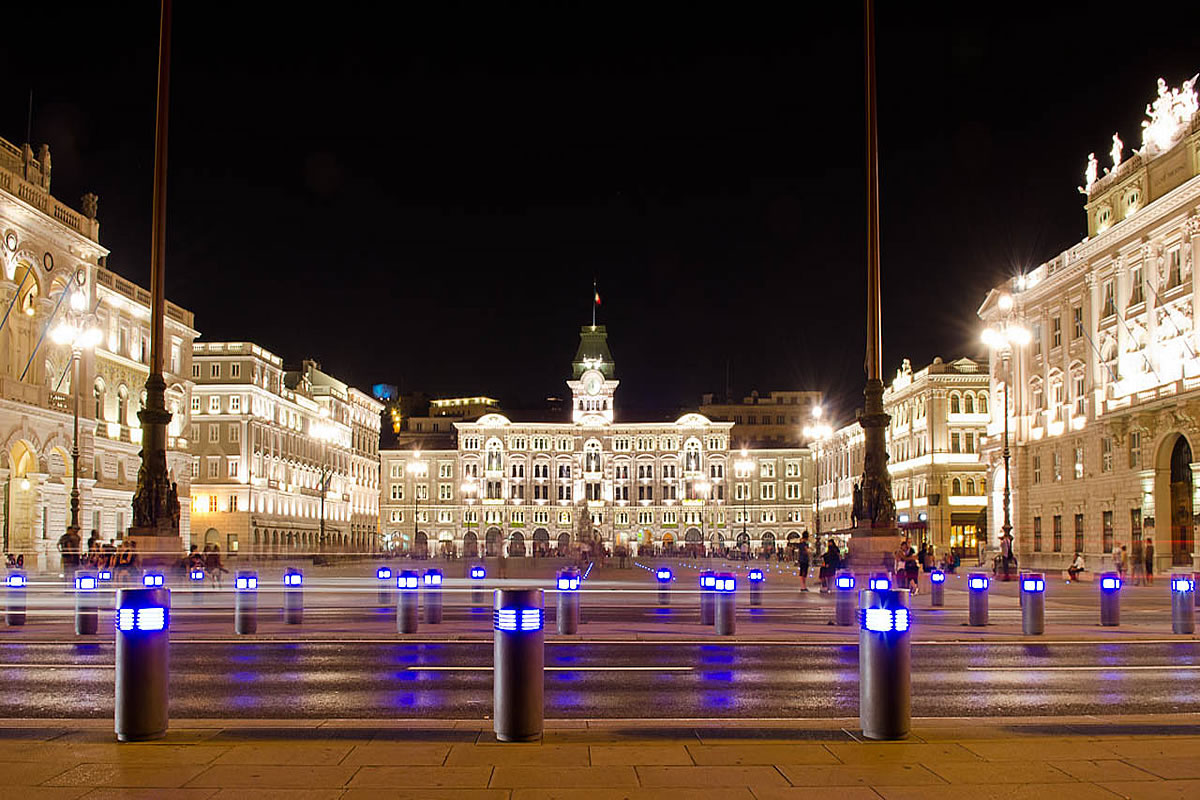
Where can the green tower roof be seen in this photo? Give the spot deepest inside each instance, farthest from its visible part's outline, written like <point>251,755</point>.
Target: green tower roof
<point>593,352</point>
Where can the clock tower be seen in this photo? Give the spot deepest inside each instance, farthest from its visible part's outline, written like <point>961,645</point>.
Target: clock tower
<point>594,378</point>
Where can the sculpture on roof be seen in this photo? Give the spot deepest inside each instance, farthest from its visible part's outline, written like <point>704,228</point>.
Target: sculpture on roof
<point>1169,115</point>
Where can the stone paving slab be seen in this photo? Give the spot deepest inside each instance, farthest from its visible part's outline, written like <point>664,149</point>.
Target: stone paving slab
<point>1145,757</point>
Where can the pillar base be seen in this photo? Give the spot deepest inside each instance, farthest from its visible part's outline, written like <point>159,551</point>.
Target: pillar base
<point>162,546</point>
<point>873,548</point>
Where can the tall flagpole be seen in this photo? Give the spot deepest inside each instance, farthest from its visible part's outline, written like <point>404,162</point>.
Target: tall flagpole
<point>595,299</point>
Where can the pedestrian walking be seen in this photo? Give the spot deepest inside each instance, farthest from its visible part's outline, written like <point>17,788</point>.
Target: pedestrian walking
<point>1137,561</point>
<point>213,565</point>
<point>1119,562</point>
<point>1149,551</point>
<point>833,560</point>
<point>802,561</point>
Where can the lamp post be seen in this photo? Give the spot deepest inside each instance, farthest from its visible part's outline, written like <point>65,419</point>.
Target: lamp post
<point>744,467</point>
<point>418,469</point>
<point>78,330</point>
<point>469,488</point>
<point>817,432</point>
<point>703,488</point>
<point>1003,338</point>
<point>326,434</point>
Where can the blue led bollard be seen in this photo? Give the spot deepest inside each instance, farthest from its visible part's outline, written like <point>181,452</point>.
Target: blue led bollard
<point>245,603</point>
<point>1033,603</point>
<point>845,599</point>
<point>884,664</point>
<point>384,576</point>
<point>937,588</point>
<point>152,580</point>
<point>567,582</point>
<point>664,586</point>
<point>432,580</point>
<point>293,596</point>
<point>1183,612</point>
<point>755,579</point>
<point>478,575</point>
<point>977,599</point>
<point>1110,599</point>
<point>196,579</point>
<point>105,575</point>
<point>725,594</point>
<point>708,607</point>
<point>518,675</point>
<point>87,606</point>
<point>142,669</point>
<point>15,612</point>
<point>408,588</point>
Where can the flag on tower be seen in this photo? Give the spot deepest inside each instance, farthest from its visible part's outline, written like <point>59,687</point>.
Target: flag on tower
<point>597,298</point>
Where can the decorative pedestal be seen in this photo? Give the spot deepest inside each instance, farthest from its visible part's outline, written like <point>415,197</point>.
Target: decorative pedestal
<point>873,548</point>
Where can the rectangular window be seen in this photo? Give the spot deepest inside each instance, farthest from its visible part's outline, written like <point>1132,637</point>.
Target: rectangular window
<point>670,491</point>
<point>741,491</point>
<point>1106,454</point>
<point>214,370</point>
<point>233,467</point>
<point>792,491</point>
<point>214,468</point>
<point>445,469</point>
<point>195,402</point>
<point>1135,524</point>
<point>233,502</point>
<point>620,493</point>
<point>969,442</point>
<point>1107,527</point>
<point>1057,465</point>
<point>517,491</point>
<point>235,370</point>
<point>445,491</point>
<point>1079,533</point>
<point>1135,450</point>
<point>397,491</point>
<point>235,404</point>
<point>564,491</point>
<point>1037,469</point>
<point>422,491</point>
<point>1077,323</point>
<point>1136,295</point>
<point>1078,462</point>
<point>1110,300</point>
<point>1080,397</point>
<point>564,472</point>
<point>767,491</point>
<point>1037,534</point>
<point>1174,275</point>
<point>645,493</point>
<point>1057,543</point>
<point>1056,332</point>
<point>214,432</point>
<point>541,491</point>
<point>767,469</point>
<point>212,504</point>
<point>195,370</point>
<point>214,405</point>
<point>397,470</point>
<point>1037,337</point>
<point>955,443</point>
<point>235,432</point>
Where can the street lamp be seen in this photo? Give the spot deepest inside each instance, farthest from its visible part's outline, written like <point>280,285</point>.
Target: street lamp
<point>1003,339</point>
<point>817,432</point>
<point>469,488</point>
<point>326,434</point>
<point>703,488</point>
<point>418,469</point>
<point>744,467</point>
<point>79,330</point>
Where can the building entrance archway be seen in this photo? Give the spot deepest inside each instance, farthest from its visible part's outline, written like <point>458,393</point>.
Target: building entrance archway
<point>541,542</point>
<point>516,545</point>
<point>491,543</point>
<point>470,545</point>
<point>1181,513</point>
<point>564,544</point>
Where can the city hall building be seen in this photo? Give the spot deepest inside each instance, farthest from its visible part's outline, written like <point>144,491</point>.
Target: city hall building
<point>1104,397</point>
<point>513,488</point>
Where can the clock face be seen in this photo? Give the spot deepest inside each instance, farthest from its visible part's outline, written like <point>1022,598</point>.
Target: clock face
<point>591,384</point>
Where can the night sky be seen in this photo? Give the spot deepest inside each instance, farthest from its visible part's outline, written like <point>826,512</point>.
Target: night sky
<point>425,200</point>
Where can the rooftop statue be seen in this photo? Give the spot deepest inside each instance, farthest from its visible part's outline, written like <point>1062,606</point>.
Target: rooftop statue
<point>1169,115</point>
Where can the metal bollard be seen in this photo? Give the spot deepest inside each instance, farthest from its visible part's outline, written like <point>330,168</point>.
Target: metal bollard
<point>518,664</point>
<point>843,610</point>
<point>708,609</point>
<point>977,599</point>
<point>293,596</point>
<point>87,606</point>
<point>755,578</point>
<point>196,577</point>
<point>142,663</point>
<point>152,580</point>
<point>15,612</point>
<point>1183,613</point>
<point>1196,579</point>
<point>245,602</point>
<point>568,600</point>
<point>433,596</point>
<point>884,664</point>
<point>725,595</point>
<point>1110,599</point>
<point>937,588</point>
<point>478,573</point>
<point>384,576</point>
<point>664,586</point>
<point>406,605</point>
<point>1033,603</point>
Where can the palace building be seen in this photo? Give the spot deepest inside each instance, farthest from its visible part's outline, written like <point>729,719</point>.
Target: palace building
<point>516,487</point>
<point>59,298</point>
<point>1103,382</point>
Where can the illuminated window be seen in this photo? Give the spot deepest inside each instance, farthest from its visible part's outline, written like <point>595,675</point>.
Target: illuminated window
<point>445,491</point>
<point>1077,322</point>
<point>235,404</point>
<point>1106,454</point>
<point>955,405</point>
<point>235,370</point>
<point>1110,300</point>
<point>1037,534</point>
<point>214,369</point>
<point>214,432</point>
<point>1174,276</point>
<point>1079,533</point>
<point>1106,527</point>
<point>1056,462</point>
<point>1135,449</point>
<point>214,404</point>
<point>1037,469</point>
<point>1078,462</point>
<point>1136,292</point>
<point>767,491</point>
<point>445,469</point>
<point>195,404</point>
<point>1058,533</point>
<point>1056,332</point>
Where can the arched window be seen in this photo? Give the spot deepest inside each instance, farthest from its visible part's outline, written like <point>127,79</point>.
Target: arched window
<point>983,405</point>
<point>591,457</point>
<point>495,459</point>
<point>954,404</point>
<point>970,482</point>
<point>983,485</point>
<point>691,456</point>
<point>98,395</point>
<point>956,487</point>
<point>968,404</point>
<point>123,405</point>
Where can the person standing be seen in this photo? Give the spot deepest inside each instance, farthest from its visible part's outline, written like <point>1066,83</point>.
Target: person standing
<point>802,561</point>
<point>1137,561</point>
<point>1149,551</point>
<point>833,560</point>
<point>1119,562</point>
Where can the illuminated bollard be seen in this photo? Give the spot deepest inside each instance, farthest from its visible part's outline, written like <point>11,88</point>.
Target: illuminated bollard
<point>977,599</point>
<point>1110,599</point>
<point>87,606</point>
<point>725,595</point>
<point>143,670</point>
<point>15,611</point>
<point>105,576</point>
<point>406,605</point>
<point>1033,603</point>
<point>518,668</point>
<point>433,596</point>
<point>664,586</point>
<point>245,602</point>
<point>293,596</point>
<point>152,580</point>
<point>755,578</point>
<point>568,600</point>
<point>884,664</point>
<point>478,574</point>
<point>384,576</point>
<point>937,588</point>
<point>196,578</point>
<point>708,608</point>
<point>1183,613</point>
<point>844,602</point>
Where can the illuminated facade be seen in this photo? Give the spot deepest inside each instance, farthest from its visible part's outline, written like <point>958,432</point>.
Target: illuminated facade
<point>1104,406</point>
<point>512,487</point>
<point>938,419</point>
<point>775,420</point>
<point>269,443</point>
<point>51,270</point>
